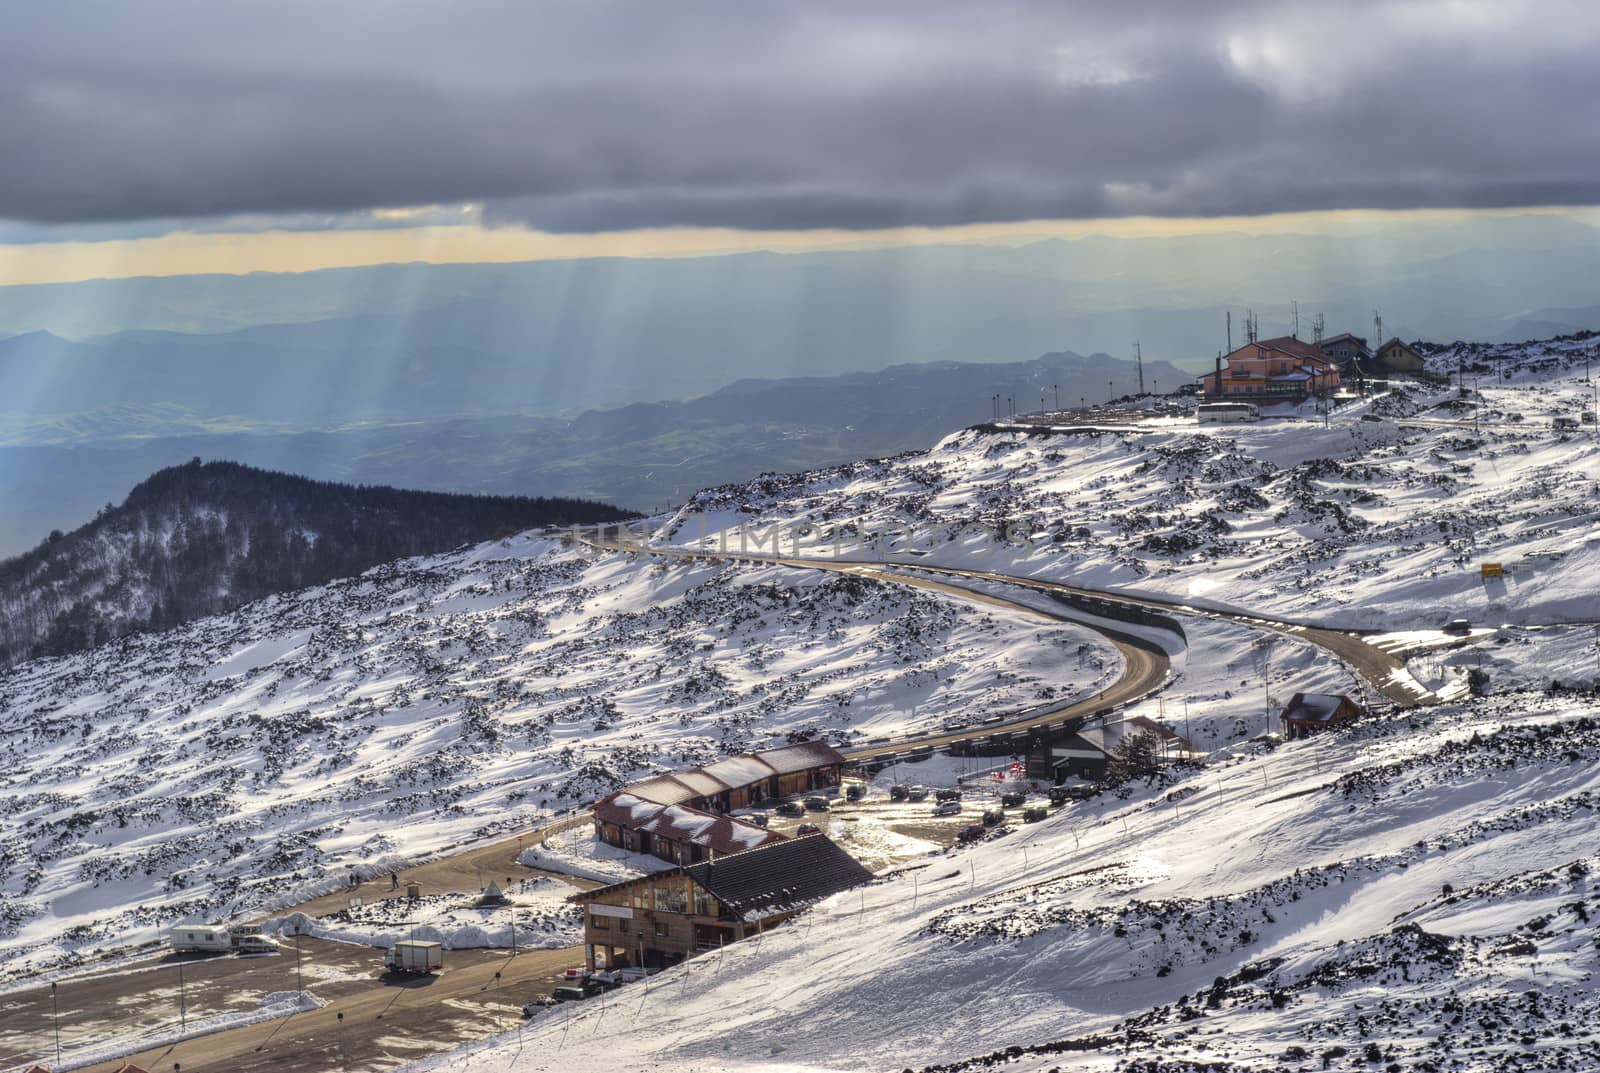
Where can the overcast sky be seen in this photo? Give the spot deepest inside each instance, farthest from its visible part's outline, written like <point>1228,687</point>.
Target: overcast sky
<point>598,116</point>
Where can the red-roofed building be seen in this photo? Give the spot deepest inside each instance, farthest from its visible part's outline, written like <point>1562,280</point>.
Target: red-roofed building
<point>1284,369</point>
<point>669,815</point>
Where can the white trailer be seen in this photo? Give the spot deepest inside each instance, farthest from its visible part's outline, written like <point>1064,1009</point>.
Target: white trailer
<point>200,938</point>
<point>414,955</point>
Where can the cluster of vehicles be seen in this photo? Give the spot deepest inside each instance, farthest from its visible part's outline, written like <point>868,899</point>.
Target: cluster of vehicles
<point>220,939</point>
<point>578,984</point>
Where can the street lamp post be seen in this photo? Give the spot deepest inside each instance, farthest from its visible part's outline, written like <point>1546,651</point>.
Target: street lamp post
<point>183,1005</point>
<point>55,1020</point>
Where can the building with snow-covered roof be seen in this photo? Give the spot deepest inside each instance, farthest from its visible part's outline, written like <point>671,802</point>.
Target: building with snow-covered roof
<point>659,920</point>
<point>676,833</point>
<point>734,783</point>
<point>1307,713</point>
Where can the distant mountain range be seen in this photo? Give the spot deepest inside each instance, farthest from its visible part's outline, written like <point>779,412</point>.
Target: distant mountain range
<point>197,539</point>
<point>54,473</point>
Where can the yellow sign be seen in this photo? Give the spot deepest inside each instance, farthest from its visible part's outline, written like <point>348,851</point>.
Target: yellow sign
<point>1491,570</point>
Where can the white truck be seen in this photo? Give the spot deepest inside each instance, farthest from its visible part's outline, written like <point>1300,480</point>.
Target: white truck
<point>200,938</point>
<point>414,955</point>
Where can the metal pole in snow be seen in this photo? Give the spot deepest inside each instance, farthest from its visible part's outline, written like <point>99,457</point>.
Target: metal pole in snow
<point>183,1011</point>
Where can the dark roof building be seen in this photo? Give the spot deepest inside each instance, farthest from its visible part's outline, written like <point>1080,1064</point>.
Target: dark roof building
<point>661,919</point>
<point>1307,713</point>
<point>780,878</point>
<point>1350,352</point>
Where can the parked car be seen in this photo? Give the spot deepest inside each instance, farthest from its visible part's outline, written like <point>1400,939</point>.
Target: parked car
<point>917,793</point>
<point>577,972</point>
<point>972,832</point>
<point>1060,795</point>
<point>1371,417</point>
<point>957,724</point>
<point>808,829</point>
<point>634,973</point>
<point>1564,422</point>
<point>578,991</point>
<point>1014,799</point>
<point>817,804</point>
<point>898,791</point>
<point>760,819</point>
<point>790,808</point>
<point>1587,417</point>
<point>947,808</point>
<point>543,1002</point>
<point>1035,814</point>
<point>994,817</point>
<point>1458,625</point>
<point>947,795</point>
<point>854,791</point>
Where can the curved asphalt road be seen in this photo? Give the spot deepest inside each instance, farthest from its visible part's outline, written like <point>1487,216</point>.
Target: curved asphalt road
<point>1146,665</point>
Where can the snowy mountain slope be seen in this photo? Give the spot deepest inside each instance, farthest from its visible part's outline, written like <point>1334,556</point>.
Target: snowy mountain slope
<point>1421,885</point>
<point>1360,525</point>
<point>250,759</point>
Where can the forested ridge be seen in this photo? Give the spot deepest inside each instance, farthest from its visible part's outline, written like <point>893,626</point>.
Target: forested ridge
<point>201,538</point>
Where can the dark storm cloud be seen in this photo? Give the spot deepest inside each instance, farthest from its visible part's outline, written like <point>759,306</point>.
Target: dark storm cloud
<point>597,115</point>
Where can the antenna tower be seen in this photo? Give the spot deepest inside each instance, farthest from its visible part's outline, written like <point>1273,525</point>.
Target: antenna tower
<point>1138,362</point>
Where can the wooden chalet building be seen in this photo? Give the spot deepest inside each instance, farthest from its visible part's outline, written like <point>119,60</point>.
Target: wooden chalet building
<point>1266,371</point>
<point>680,817</point>
<point>1395,357</point>
<point>1307,713</point>
<point>659,920</point>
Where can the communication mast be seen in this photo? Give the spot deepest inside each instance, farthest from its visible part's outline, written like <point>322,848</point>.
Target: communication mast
<point>1138,362</point>
<point>1294,307</point>
<point>1377,325</point>
<point>1317,329</point>
<point>1250,325</point>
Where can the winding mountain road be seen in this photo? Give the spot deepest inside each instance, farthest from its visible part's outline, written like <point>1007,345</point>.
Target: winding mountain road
<point>1146,666</point>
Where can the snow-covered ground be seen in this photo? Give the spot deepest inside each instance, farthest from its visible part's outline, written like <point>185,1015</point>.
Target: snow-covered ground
<point>1362,524</point>
<point>1412,892</point>
<point>538,908</point>
<point>1421,885</point>
<point>252,760</point>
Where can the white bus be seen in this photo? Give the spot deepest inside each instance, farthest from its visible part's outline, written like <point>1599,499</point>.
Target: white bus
<point>1227,411</point>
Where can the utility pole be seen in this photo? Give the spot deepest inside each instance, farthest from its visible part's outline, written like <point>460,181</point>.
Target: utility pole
<point>1057,389</point>
<point>1230,331</point>
<point>1111,391</point>
<point>1294,308</point>
<point>1138,363</point>
<point>183,1005</point>
<point>1377,327</point>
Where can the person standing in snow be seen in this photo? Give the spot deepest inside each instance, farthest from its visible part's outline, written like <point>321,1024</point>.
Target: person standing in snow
<point>394,880</point>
